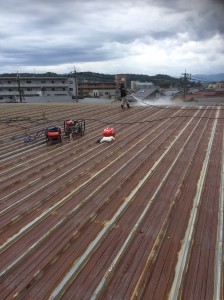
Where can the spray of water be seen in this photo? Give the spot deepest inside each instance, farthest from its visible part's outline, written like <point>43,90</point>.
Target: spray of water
<point>163,101</point>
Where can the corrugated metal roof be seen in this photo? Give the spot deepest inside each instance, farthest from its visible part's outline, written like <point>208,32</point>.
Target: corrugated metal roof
<point>138,218</point>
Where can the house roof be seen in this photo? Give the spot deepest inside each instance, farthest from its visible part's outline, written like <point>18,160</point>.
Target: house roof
<point>145,93</point>
<point>140,217</point>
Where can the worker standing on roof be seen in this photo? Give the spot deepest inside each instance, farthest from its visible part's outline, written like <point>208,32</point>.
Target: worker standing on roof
<point>124,93</point>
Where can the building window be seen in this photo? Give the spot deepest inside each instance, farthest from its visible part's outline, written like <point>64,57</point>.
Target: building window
<point>10,90</point>
<point>70,82</point>
<point>52,89</point>
<point>43,81</point>
<point>9,82</point>
<point>70,89</point>
<point>52,81</point>
<point>29,89</point>
<point>28,81</point>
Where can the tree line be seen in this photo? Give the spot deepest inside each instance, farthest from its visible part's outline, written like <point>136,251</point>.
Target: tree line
<point>161,80</point>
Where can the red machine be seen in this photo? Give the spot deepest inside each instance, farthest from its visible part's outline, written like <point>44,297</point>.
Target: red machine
<point>74,127</point>
<point>53,134</point>
<point>109,132</point>
<point>71,128</point>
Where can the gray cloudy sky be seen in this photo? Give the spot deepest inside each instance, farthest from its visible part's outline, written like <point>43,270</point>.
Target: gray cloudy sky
<point>109,36</point>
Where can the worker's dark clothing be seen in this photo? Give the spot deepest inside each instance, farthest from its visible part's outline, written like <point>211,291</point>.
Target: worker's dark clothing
<point>123,90</point>
<point>124,94</point>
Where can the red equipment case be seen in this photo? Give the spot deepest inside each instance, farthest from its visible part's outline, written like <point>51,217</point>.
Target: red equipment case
<point>53,134</point>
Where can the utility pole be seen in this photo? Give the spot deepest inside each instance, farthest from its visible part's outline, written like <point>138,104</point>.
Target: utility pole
<point>76,83</point>
<point>19,88</point>
<point>185,83</point>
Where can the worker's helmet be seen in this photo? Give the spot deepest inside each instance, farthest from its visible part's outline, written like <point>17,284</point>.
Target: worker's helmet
<point>122,80</point>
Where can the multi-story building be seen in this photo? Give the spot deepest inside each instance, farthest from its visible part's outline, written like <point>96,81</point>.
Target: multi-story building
<point>97,89</point>
<point>12,88</point>
<point>20,88</point>
<point>137,85</point>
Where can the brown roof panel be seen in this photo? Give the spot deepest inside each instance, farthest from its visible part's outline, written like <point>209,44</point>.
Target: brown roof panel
<point>138,218</point>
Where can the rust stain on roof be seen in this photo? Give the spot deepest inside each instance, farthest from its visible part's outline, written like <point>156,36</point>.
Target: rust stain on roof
<point>140,217</point>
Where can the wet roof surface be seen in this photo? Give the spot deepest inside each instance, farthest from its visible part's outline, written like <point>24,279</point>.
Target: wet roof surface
<point>140,217</point>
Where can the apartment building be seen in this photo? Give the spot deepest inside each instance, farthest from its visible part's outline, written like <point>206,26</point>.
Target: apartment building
<point>20,88</point>
<point>13,88</point>
<point>97,89</point>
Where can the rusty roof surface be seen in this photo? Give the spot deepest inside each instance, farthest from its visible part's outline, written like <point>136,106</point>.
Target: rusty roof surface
<point>140,217</point>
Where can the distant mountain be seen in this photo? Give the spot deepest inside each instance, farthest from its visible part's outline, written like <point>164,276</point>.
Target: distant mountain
<point>208,78</point>
<point>159,79</point>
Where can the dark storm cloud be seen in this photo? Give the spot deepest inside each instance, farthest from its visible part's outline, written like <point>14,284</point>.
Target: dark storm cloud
<point>199,17</point>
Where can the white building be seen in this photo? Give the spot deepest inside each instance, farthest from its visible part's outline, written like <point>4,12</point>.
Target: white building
<point>12,88</point>
<point>20,88</point>
<point>137,85</point>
